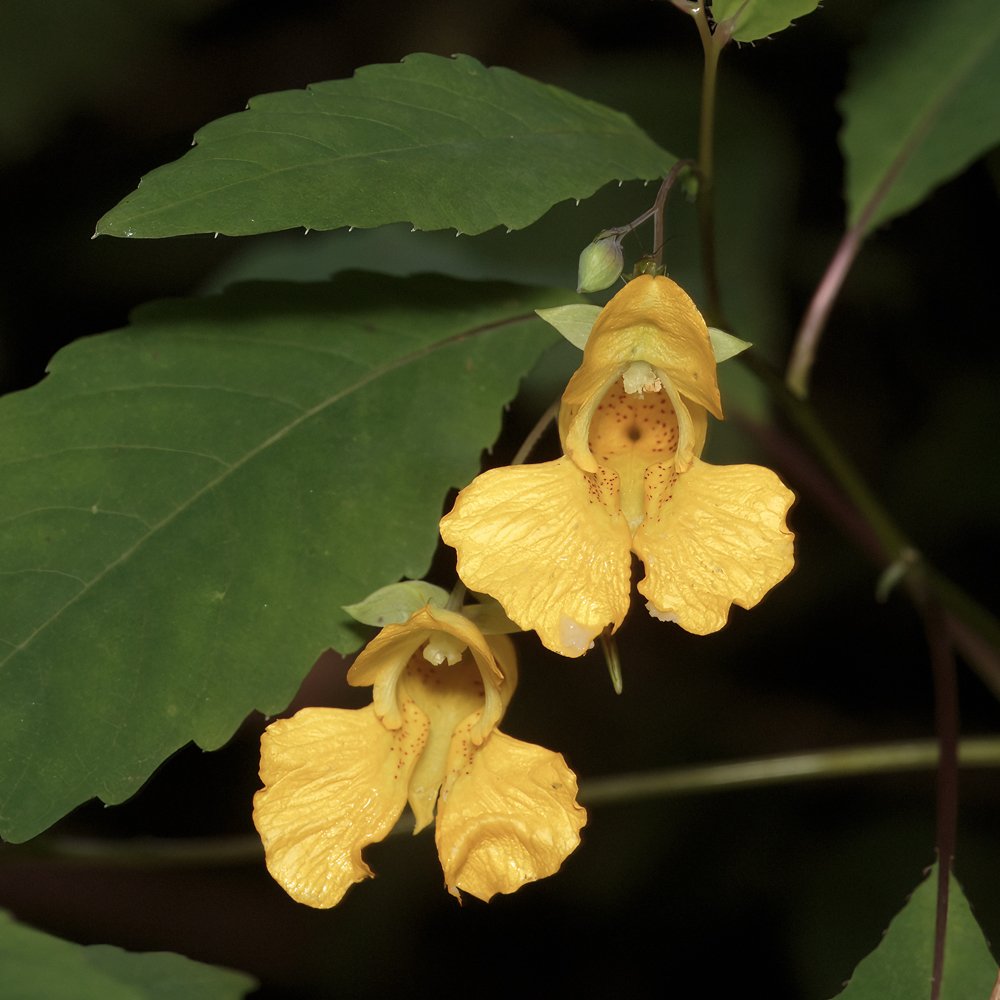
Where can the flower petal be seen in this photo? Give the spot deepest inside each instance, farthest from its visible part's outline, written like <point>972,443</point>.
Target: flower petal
<point>335,781</point>
<point>382,662</point>
<point>541,540</point>
<point>719,539</point>
<point>651,324</point>
<point>450,695</point>
<point>653,319</point>
<point>509,817</point>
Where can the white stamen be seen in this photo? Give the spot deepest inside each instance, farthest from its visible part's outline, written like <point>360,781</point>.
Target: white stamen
<point>441,647</point>
<point>641,377</point>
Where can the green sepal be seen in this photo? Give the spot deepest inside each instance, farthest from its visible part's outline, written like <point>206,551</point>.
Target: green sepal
<point>395,603</point>
<point>574,321</point>
<point>725,345</point>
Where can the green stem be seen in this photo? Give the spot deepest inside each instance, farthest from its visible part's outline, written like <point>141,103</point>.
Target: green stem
<point>712,44</point>
<point>885,758</point>
<point>787,769</point>
<point>973,630</point>
<point>655,212</point>
<point>535,434</point>
<point>893,542</point>
<point>660,207</point>
<point>945,677</point>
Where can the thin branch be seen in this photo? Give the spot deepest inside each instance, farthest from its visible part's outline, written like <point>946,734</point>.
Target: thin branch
<point>946,724</point>
<point>814,322</point>
<point>845,495</point>
<point>884,758</point>
<point>787,769</point>
<point>535,434</point>
<point>712,44</point>
<point>891,540</point>
<point>660,205</point>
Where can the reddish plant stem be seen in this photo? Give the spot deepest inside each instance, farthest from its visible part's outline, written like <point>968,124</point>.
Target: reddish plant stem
<point>946,718</point>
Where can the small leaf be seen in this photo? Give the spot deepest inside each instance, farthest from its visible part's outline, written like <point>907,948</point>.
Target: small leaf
<point>187,504</point>
<point>900,967</point>
<point>439,143</point>
<point>574,321</point>
<point>725,345</point>
<point>396,602</point>
<point>38,966</point>
<point>918,107</point>
<point>759,18</point>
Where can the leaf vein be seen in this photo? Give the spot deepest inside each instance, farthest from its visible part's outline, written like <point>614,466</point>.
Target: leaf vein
<point>372,375</point>
<point>47,572</point>
<point>113,447</point>
<point>146,386</point>
<point>84,510</point>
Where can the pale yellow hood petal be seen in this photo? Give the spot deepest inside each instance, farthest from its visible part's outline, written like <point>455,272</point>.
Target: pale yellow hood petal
<point>382,662</point>
<point>508,817</point>
<point>542,540</point>
<point>650,326</point>
<point>334,781</point>
<point>652,319</point>
<point>719,539</point>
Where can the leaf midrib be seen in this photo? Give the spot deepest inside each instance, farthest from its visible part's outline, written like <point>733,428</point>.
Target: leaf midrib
<point>920,127</point>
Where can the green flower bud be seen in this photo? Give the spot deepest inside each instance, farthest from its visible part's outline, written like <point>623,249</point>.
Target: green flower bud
<point>600,263</point>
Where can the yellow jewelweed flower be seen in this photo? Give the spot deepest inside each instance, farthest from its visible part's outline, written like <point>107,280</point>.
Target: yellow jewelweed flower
<point>336,780</point>
<point>552,542</point>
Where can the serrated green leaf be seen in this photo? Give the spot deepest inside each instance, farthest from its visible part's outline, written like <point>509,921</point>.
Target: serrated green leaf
<point>900,967</point>
<point>920,104</point>
<point>573,321</point>
<point>759,18</point>
<point>187,504</point>
<point>38,966</point>
<point>439,143</point>
<point>396,602</point>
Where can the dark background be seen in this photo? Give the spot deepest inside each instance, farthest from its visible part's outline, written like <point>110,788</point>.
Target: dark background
<point>785,888</point>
